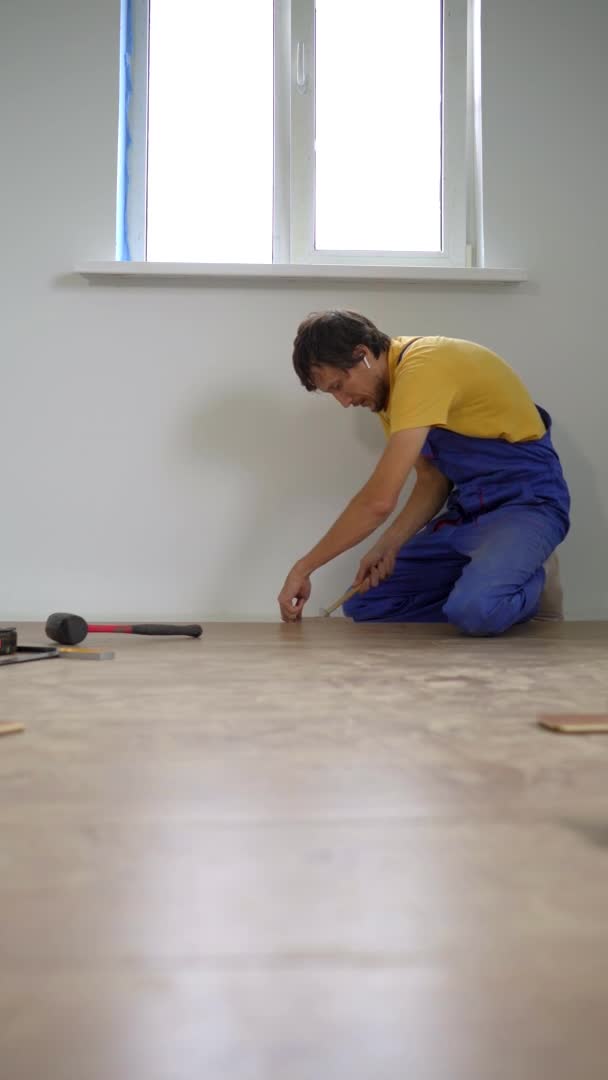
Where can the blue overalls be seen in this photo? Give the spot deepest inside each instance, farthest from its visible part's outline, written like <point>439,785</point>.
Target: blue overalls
<point>479,565</point>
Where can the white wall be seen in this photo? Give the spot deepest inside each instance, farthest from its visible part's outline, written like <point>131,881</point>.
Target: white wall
<point>159,456</point>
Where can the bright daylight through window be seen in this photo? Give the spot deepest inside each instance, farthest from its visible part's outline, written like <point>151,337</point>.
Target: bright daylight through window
<point>361,154</point>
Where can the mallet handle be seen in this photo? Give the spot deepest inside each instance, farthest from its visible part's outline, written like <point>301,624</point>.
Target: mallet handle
<point>150,629</point>
<point>338,603</point>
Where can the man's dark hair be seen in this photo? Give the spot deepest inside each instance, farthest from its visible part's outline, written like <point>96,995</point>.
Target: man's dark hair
<point>330,337</point>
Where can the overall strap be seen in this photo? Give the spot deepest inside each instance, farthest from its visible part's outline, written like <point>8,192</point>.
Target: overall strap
<point>404,350</point>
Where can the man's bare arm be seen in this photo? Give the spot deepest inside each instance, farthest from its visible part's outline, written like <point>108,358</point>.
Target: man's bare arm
<point>363,515</point>
<point>373,504</point>
<point>427,498</point>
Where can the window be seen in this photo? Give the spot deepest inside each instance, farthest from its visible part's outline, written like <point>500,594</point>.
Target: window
<point>302,131</point>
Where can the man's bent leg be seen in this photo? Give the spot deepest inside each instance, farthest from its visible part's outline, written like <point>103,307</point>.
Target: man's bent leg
<point>425,571</point>
<point>503,582</point>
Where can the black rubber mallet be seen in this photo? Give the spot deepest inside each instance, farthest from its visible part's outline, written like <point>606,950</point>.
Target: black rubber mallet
<point>68,629</point>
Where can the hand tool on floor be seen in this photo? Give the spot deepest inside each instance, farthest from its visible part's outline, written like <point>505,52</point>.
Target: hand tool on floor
<point>10,729</point>
<point>8,640</point>
<point>24,653</point>
<point>12,653</point>
<point>577,724</point>
<point>74,652</point>
<point>324,612</point>
<point>67,629</point>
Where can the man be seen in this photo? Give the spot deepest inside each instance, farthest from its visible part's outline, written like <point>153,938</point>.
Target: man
<point>460,416</point>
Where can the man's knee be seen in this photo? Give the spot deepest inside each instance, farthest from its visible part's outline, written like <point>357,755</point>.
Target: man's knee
<point>478,614</point>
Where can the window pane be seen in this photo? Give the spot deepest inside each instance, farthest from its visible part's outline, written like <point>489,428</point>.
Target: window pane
<point>378,125</point>
<point>210,141</point>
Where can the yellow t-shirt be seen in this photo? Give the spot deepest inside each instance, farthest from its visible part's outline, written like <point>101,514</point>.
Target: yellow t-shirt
<point>449,383</point>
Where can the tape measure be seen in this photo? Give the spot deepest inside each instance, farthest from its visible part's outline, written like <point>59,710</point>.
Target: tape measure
<point>8,640</point>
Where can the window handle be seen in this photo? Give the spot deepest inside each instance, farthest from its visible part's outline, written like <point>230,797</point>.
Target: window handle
<point>301,76</point>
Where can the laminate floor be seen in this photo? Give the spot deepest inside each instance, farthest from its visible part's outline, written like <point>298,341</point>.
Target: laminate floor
<point>306,852</point>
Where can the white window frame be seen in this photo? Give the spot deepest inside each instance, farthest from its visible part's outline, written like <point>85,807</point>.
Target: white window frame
<point>294,121</point>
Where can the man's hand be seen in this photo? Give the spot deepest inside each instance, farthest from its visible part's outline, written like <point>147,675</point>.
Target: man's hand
<point>377,565</point>
<point>293,595</point>
<point>363,515</point>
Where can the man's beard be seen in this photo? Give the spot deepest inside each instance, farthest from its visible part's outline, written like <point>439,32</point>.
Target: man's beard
<point>380,395</point>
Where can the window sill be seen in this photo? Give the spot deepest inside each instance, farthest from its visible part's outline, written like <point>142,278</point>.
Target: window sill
<point>239,272</point>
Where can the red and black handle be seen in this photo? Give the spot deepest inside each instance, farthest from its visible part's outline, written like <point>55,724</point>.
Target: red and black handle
<point>151,629</point>
<point>68,629</point>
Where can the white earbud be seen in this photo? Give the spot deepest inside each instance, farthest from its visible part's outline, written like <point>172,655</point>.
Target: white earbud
<point>366,362</point>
